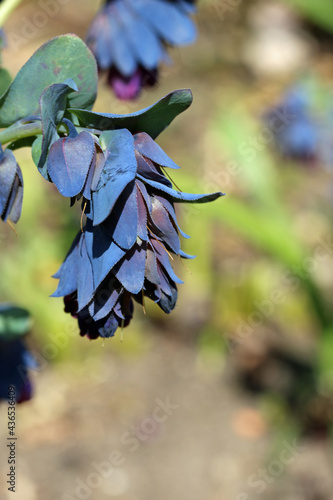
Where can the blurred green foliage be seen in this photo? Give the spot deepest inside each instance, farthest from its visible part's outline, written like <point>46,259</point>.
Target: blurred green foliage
<point>319,12</point>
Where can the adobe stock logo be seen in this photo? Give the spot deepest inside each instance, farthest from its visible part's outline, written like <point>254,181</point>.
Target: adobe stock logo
<point>29,27</point>
<point>131,441</point>
<point>264,476</point>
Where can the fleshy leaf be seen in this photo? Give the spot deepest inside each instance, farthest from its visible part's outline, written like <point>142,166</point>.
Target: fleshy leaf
<point>36,149</point>
<point>5,80</point>
<point>63,57</point>
<point>52,107</point>
<point>152,120</point>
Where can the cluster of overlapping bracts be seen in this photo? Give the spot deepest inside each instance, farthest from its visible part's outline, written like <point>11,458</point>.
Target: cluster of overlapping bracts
<point>112,164</point>
<point>131,228</point>
<point>129,40</point>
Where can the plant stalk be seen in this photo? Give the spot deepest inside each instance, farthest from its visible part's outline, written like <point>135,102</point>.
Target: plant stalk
<point>19,132</point>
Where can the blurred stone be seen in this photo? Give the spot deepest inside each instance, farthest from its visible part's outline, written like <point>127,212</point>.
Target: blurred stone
<point>249,423</point>
<point>117,484</point>
<point>277,46</point>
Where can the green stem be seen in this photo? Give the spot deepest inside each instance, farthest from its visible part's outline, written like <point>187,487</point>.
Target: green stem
<point>6,8</point>
<point>19,132</point>
<point>16,131</point>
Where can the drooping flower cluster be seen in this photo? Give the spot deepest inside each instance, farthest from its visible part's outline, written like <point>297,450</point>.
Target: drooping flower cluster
<point>123,251</point>
<point>129,39</point>
<point>113,165</point>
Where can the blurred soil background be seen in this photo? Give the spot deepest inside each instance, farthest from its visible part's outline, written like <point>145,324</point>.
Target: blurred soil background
<point>246,359</point>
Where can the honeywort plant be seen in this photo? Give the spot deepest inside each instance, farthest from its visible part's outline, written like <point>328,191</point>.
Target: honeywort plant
<point>130,38</point>
<point>112,165</point>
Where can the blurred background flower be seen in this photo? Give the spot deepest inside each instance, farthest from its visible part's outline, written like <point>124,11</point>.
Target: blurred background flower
<point>15,359</point>
<point>129,40</point>
<point>301,124</point>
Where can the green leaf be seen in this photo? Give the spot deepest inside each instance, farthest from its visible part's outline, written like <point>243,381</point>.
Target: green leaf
<point>36,149</point>
<point>52,106</point>
<point>57,60</point>
<point>152,120</point>
<point>319,12</point>
<point>14,321</point>
<point>5,80</point>
<point>237,134</point>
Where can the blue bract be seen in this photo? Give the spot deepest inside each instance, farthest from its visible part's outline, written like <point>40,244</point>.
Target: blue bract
<point>131,232</point>
<point>129,39</point>
<point>11,187</point>
<point>72,163</point>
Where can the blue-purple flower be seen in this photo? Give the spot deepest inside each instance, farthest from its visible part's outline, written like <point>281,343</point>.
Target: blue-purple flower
<point>122,254</point>
<point>118,171</point>
<point>129,40</point>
